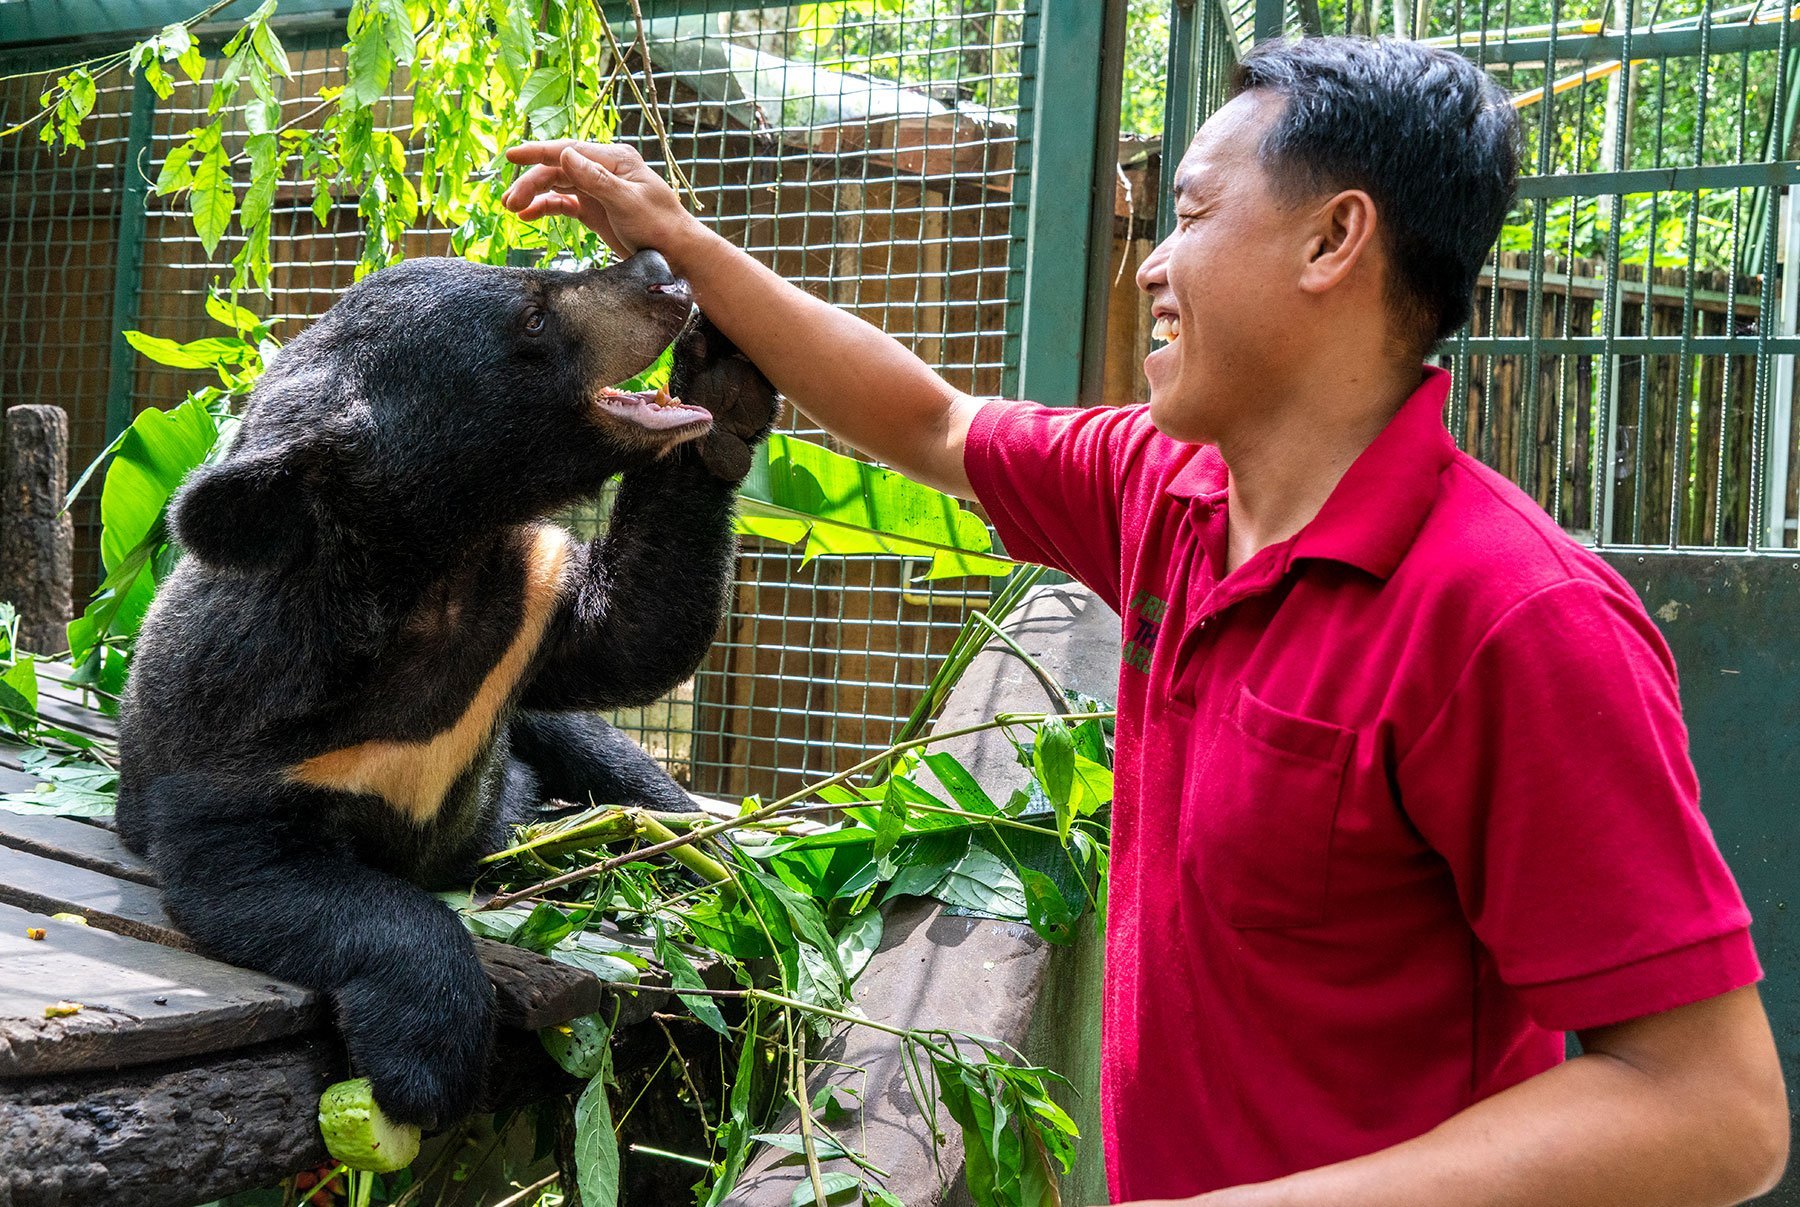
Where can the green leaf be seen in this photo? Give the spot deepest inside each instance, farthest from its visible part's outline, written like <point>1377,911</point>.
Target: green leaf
<point>1053,763</point>
<point>397,27</point>
<point>1045,908</point>
<point>847,507</point>
<point>875,1196</point>
<point>840,1188</point>
<point>826,1148</point>
<point>175,174</point>
<point>270,51</point>
<point>158,452</point>
<point>959,783</point>
<point>857,941</point>
<point>545,98</point>
<point>230,314</point>
<point>683,975</point>
<point>983,882</point>
<point>596,1147</point>
<point>212,198</point>
<point>926,862</point>
<point>265,172</point>
<point>371,66</point>
<point>19,697</point>
<point>543,929</point>
<point>891,822</point>
<point>580,1046</point>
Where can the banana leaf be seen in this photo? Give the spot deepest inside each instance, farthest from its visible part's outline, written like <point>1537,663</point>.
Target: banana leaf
<point>798,492</point>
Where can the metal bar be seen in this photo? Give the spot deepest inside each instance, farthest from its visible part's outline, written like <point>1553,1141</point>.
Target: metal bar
<point>1525,444</point>
<point>1181,103</point>
<point>1019,224</point>
<point>1777,175</point>
<point>1659,345</point>
<point>1106,107</point>
<point>1605,480</point>
<point>1269,19</point>
<point>1650,44</point>
<point>128,263</point>
<point>64,21</point>
<point>1059,244</point>
<point>1781,418</point>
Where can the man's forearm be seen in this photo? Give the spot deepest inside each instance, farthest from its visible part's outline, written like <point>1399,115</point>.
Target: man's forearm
<point>1628,1126</point>
<point>853,379</point>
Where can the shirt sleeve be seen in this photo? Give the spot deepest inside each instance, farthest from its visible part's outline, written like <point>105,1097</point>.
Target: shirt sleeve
<point>1555,780</point>
<point>1051,479</point>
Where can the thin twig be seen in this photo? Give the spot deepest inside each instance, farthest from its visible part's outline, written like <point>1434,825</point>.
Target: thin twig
<point>797,1077</point>
<point>648,106</point>
<point>536,1186</point>
<point>681,1062</point>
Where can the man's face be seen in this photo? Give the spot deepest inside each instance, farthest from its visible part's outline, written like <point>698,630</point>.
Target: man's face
<point>1222,285</point>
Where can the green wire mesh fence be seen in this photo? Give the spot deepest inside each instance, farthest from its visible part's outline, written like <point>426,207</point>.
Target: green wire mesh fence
<point>866,154</point>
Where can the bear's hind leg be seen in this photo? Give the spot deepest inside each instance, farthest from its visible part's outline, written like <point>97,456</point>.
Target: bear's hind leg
<point>578,757</point>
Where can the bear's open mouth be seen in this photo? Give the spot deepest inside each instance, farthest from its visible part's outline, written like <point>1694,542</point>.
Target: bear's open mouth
<point>652,409</point>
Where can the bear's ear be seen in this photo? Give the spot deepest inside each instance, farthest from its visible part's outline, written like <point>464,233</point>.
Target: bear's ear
<point>246,512</point>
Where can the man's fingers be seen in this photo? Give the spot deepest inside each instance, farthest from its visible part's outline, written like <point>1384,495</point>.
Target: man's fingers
<point>587,175</point>
<point>546,178</point>
<point>551,203</point>
<point>615,157</point>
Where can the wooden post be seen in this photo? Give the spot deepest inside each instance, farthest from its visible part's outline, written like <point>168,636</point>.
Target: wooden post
<point>36,538</point>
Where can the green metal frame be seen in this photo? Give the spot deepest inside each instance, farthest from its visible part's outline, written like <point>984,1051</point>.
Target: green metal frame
<point>63,21</point>
<point>1060,237</point>
<point>128,263</point>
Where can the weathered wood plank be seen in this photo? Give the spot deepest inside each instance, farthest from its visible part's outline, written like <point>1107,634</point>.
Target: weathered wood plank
<point>73,842</point>
<point>141,1002</point>
<point>530,990</point>
<point>49,886</point>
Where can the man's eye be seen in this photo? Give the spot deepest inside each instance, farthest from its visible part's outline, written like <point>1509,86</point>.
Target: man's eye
<point>534,321</point>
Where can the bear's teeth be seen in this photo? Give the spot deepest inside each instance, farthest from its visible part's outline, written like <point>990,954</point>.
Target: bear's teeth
<point>1166,330</point>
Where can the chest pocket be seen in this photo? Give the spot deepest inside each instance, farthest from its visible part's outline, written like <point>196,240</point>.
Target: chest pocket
<point>1257,830</point>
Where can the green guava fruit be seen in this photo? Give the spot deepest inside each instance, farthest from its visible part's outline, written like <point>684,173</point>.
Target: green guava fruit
<point>359,1135</point>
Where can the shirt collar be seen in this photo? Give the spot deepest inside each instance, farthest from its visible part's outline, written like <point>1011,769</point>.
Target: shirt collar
<point>1380,503</point>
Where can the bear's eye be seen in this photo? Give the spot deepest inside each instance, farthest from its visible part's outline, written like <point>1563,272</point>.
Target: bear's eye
<point>534,321</point>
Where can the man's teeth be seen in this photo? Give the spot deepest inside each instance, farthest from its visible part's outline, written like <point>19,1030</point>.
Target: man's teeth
<point>1166,330</point>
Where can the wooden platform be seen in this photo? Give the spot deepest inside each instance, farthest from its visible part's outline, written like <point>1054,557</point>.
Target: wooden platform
<point>136,1071</point>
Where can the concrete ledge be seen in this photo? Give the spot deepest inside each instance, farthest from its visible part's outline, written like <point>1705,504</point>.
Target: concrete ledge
<point>981,975</point>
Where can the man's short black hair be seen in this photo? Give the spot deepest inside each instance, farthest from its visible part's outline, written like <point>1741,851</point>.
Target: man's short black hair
<point>1424,132</point>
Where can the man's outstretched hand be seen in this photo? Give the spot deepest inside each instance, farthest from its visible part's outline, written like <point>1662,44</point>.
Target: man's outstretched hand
<point>608,188</point>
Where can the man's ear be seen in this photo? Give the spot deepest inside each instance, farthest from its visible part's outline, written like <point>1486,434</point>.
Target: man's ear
<point>248,512</point>
<point>1345,229</point>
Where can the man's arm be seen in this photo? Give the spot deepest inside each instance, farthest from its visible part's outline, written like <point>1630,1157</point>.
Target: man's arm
<point>1684,1108</point>
<point>857,382</point>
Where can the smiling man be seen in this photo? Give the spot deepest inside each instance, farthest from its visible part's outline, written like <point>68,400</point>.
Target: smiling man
<point>1403,786</point>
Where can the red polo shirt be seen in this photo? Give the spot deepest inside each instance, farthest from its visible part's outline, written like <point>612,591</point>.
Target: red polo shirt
<point>1400,800</point>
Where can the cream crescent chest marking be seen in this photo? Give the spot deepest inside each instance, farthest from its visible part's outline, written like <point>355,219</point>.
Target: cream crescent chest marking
<point>414,777</point>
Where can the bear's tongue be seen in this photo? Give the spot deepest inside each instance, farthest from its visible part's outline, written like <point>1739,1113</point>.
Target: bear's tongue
<point>653,409</point>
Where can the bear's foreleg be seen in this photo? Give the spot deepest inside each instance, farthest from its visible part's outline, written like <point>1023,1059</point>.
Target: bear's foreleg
<point>649,595</point>
<point>252,877</point>
<point>577,757</point>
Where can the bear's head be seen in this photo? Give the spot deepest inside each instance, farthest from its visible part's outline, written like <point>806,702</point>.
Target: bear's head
<point>442,397</point>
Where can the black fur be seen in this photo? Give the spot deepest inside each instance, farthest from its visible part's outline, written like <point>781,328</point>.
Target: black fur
<point>359,564</point>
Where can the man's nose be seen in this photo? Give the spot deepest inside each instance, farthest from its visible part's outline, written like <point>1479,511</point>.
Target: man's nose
<point>1154,270</point>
